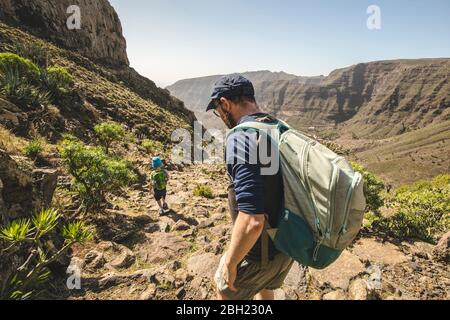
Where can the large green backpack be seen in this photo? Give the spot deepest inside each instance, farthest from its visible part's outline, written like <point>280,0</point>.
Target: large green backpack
<point>324,200</point>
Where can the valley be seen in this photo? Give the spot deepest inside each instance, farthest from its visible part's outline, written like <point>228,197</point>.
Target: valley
<point>58,89</point>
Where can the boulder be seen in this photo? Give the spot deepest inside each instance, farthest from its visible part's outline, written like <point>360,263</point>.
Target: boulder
<point>181,226</point>
<point>112,279</point>
<point>161,247</point>
<point>378,252</point>
<point>206,223</point>
<point>94,259</point>
<point>182,275</point>
<point>11,117</point>
<point>221,230</point>
<point>340,273</point>
<point>76,264</point>
<point>17,189</point>
<point>149,293</point>
<point>203,265</point>
<point>280,295</point>
<point>334,295</point>
<point>358,290</point>
<point>44,185</point>
<point>441,251</point>
<point>124,257</point>
<point>296,279</point>
<point>419,249</point>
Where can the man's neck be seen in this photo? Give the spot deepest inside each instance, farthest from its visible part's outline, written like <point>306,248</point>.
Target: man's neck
<point>248,112</point>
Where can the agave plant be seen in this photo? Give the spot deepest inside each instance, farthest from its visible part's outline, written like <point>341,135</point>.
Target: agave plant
<point>17,231</point>
<point>34,270</point>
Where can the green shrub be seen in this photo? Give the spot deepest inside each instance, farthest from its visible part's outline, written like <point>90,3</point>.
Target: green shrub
<point>24,67</point>
<point>20,90</point>
<point>152,146</point>
<point>422,210</point>
<point>57,81</point>
<point>28,236</point>
<point>95,173</point>
<point>34,52</point>
<point>108,133</point>
<point>203,191</point>
<point>373,188</point>
<point>336,148</point>
<point>33,149</point>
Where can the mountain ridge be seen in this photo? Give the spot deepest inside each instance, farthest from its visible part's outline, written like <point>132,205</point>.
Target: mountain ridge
<point>380,89</point>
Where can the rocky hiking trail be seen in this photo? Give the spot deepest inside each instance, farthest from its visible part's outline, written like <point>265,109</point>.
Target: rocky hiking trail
<point>149,257</point>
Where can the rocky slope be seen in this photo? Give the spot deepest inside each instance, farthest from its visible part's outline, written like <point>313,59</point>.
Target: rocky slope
<point>406,158</point>
<point>149,257</point>
<point>99,94</point>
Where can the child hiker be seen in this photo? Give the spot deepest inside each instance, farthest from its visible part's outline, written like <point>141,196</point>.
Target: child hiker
<point>159,177</point>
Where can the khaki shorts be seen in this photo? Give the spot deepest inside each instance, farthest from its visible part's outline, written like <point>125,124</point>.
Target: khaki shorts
<point>252,278</point>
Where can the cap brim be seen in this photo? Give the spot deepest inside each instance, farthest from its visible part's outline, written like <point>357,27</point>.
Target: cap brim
<point>211,106</point>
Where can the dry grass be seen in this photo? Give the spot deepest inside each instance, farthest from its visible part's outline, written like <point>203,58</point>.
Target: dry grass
<point>10,143</point>
<point>416,155</point>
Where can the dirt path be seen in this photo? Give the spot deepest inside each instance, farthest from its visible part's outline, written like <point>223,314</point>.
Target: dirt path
<point>174,256</point>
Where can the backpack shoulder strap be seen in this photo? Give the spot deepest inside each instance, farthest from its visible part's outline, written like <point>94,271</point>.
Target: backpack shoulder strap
<point>259,126</point>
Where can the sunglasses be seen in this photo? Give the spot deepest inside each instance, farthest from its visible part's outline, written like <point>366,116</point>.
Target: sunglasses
<point>218,105</point>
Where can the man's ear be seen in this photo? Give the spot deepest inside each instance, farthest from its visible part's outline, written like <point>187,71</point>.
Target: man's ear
<point>226,104</point>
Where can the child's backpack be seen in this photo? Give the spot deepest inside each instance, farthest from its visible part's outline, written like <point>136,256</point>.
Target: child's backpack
<point>159,179</point>
<point>324,201</point>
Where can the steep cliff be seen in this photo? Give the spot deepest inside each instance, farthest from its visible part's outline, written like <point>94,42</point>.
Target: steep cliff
<point>99,37</point>
<point>378,99</point>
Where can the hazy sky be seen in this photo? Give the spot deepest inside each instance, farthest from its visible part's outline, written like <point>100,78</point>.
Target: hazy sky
<point>169,40</point>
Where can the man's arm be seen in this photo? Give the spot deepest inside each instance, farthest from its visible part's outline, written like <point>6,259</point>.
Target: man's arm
<point>246,232</point>
<point>249,188</point>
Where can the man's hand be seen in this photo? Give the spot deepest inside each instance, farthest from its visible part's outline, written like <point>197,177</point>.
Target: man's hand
<point>229,274</point>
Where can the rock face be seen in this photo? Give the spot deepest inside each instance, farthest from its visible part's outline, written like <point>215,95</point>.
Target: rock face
<point>99,38</point>
<point>23,190</point>
<point>379,99</point>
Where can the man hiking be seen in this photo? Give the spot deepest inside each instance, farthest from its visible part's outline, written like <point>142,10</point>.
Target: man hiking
<point>252,267</point>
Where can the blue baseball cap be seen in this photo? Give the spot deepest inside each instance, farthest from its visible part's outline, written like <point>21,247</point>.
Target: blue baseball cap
<point>230,86</point>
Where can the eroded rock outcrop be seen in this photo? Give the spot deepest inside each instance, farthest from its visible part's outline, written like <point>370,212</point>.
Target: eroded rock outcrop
<point>99,38</point>
<point>24,190</point>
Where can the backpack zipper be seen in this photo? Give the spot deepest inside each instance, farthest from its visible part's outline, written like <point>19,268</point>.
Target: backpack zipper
<point>334,178</point>
<point>305,153</point>
<point>316,250</point>
<point>348,199</point>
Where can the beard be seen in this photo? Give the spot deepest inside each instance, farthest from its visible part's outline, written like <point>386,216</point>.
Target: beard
<point>228,120</point>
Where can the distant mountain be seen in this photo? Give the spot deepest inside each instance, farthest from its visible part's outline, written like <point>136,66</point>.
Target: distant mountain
<point>196,92</point>
<point>375,99</point>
